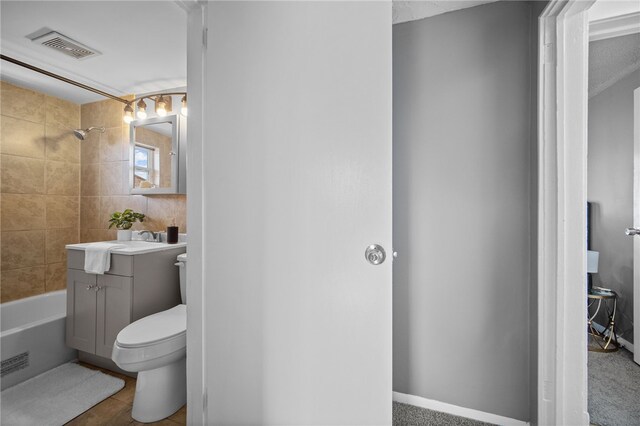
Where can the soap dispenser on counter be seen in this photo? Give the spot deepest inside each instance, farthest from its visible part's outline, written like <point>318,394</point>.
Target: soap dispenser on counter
<point>172,232</point>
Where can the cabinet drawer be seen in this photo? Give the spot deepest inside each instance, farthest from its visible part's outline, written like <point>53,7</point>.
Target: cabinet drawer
<point>120,264</point>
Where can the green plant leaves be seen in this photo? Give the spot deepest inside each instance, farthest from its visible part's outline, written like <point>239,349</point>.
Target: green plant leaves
<point>125,220</point>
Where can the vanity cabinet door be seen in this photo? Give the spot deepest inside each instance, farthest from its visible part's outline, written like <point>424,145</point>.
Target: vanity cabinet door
<point>113,313</point>
<point>81,310</point>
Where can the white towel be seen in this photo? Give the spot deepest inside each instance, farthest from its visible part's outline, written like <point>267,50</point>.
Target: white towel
<point>97,257</point>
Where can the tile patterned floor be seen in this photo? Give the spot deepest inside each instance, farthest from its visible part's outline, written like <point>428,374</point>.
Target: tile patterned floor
<point>116,410</point>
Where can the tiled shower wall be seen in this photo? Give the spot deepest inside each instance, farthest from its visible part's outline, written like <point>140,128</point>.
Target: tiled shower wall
<point>40,190</point>
<point>56,190</point>
<point>105,174</point>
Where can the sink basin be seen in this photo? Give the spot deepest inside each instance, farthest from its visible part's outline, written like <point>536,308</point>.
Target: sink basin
<point>132,247</point>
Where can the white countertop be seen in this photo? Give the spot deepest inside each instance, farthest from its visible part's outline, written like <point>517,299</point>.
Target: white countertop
<point>132,247</point>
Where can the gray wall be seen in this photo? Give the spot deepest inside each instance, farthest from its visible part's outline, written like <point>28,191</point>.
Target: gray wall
<point>610,188</point>
<point>462,193</point>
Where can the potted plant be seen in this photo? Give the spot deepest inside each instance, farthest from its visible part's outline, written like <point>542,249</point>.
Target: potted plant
<point>123,221</point>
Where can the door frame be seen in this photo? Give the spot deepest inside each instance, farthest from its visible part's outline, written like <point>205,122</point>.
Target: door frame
<point>562,193</point>
<point>563,43</point>
<point>196,365</point>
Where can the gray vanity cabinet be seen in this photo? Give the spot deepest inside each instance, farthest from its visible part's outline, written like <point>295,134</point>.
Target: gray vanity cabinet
<point>100,306</point>
<point>113,311</point>
<point>81,310</point>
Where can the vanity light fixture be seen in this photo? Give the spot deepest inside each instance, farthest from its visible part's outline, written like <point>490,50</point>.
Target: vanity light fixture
<point>161,106</point>
<point>128,114</point>
<point>183,109</point>
<point>142,109</point>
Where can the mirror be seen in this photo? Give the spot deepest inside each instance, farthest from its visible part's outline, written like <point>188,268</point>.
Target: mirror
<point>157,156</point>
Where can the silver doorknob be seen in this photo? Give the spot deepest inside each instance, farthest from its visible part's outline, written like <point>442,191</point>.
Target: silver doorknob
<point>375,254</point>
<point>632,231</point>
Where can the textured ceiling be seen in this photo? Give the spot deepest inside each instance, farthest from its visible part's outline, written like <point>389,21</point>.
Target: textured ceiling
<point>410,10</point>
<point>611,60</point>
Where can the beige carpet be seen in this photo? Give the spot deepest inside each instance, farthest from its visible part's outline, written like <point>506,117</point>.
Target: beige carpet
<point>614,389</point>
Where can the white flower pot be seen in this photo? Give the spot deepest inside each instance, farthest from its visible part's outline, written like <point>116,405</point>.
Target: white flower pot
<point>124,234</point>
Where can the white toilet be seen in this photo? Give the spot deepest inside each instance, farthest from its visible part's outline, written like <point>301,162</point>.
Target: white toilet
<point>155,347</point>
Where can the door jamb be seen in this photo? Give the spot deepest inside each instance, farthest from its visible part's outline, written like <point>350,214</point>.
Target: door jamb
<point>562,148</point>
<point>196,67</point>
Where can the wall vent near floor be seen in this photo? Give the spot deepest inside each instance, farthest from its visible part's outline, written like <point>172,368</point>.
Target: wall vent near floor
<point>15,363</point>
<point>65,45</point>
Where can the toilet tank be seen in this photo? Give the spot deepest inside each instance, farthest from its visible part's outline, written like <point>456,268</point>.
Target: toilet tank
<point>182,264</point>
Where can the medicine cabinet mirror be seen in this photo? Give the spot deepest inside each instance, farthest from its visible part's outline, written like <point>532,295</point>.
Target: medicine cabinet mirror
<point>157,155</point>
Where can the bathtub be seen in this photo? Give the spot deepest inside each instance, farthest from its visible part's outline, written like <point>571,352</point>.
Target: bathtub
<point>32,337</point>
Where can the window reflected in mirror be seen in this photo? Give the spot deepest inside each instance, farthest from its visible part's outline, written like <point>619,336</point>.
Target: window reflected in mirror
<point>152,155</point>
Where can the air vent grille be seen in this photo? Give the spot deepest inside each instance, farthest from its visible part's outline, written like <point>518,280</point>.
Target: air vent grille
<point>66,45</point>
<point>15,363</point>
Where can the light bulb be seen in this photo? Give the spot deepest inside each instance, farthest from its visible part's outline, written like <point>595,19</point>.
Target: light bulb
<point>142,109</point>
<point>183,109</point>
<point>161,106</point>
<point>128,114</point>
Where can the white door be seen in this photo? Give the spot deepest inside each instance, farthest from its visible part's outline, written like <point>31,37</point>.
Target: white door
<point>636,224</point>
<point>297,183</point>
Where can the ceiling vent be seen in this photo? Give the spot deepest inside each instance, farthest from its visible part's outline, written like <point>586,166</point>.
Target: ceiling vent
<point>65,45</point>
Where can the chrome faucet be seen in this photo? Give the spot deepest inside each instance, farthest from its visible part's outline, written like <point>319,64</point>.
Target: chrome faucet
<point>154,235</point>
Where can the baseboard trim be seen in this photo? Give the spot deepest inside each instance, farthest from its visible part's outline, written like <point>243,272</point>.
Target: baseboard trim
<point>624,343</point>
<point>456,410</point>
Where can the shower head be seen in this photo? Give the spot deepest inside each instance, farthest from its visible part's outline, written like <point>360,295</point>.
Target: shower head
<point>82,133</point>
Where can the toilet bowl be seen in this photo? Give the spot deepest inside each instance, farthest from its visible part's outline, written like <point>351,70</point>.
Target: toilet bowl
<point>155,347</point>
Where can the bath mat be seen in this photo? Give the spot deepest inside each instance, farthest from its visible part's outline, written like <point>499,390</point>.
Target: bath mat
<point>56,396</point>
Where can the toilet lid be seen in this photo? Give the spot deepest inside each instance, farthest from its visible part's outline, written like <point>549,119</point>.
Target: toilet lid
<point>155,328</point>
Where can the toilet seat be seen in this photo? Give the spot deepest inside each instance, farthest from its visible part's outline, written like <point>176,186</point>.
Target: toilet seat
<point>152,341</point>
<point>155,329</point>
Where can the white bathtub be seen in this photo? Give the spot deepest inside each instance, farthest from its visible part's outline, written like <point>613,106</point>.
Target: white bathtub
<point>32,336</point>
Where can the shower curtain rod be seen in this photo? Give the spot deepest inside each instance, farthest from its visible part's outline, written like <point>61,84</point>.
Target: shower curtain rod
<point>61,78</point>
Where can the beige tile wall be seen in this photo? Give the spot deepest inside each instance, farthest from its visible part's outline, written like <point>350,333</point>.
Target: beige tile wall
<point>104,178</point>
<point>39,190</point>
